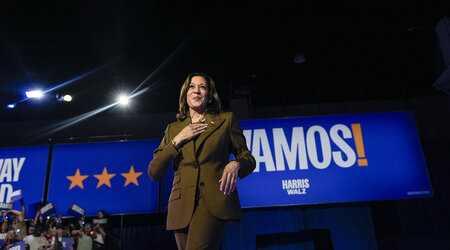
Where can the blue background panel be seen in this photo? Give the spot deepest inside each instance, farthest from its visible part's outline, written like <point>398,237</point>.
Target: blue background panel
<point>31,177</point>
<point>140,195</point>
<point>396,166</point>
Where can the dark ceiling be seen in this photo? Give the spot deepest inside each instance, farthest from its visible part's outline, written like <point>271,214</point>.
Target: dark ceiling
<point>353,52</point>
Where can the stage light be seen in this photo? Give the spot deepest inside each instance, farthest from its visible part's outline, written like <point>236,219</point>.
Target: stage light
<point>34,94</point>
<point>67,98</point>
<point>123,100</point>
<point>11,106</point>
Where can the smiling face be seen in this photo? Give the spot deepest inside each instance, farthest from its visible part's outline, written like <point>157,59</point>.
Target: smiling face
<point>197,94</point>
<point>11,235</point>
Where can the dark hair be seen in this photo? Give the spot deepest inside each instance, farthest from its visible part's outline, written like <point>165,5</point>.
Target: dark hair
<point>105,215</point>
<point>37,231</point>
<point>213,103</point>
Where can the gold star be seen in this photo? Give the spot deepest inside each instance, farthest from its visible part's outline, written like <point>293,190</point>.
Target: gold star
<point>104,178</point>
<point>77,179</point>
<point>131,177</point>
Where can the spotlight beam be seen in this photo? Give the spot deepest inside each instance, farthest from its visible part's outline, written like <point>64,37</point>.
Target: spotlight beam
<point>60,85</point>
<point>163,64</point>
<point>72,121</point>
<point>80,77</point>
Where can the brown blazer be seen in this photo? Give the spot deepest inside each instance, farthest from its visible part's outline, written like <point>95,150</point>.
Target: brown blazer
<point>199,164</point>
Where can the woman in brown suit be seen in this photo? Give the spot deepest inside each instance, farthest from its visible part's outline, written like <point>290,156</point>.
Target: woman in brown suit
<point>198,145</point>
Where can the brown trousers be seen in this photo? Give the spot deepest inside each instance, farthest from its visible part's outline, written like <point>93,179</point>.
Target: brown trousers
<point>204,231</point>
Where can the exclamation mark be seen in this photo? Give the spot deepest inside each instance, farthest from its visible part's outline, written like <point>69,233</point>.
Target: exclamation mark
<point>362,161</point>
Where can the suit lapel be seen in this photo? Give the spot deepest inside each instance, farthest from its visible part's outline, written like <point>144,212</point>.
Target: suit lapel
<point>213,121</point>
<point>188,148</point>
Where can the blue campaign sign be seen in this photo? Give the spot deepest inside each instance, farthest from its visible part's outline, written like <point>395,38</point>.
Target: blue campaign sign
<point>76,211</point>
<point>329,159</point>
<point>67,242</point>
<point>24,169</point>
<point>20,245</point>
<point>110,176</point>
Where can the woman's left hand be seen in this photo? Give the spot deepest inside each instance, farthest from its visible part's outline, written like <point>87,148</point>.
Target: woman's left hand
<point>229,177</point>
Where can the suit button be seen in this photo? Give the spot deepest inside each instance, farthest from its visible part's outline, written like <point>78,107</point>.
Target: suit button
<point>202,184</point>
